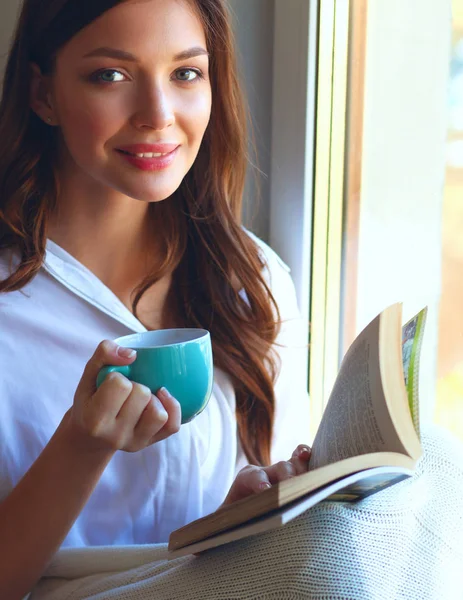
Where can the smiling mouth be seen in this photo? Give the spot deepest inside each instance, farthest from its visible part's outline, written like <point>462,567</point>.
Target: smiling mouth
<point>146,154</point>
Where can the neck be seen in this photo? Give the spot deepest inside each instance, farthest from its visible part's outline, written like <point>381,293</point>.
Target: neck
<point>108,232</point>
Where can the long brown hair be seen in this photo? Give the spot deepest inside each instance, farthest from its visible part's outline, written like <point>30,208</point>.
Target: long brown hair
<point>212,257</point>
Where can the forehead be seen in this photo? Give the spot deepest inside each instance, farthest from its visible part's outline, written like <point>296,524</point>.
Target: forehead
<point>143,27</point>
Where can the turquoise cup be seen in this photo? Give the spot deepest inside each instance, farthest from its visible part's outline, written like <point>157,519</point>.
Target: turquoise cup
<point>177,359</point>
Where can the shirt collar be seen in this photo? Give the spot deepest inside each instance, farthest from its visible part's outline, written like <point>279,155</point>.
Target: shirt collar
<point>81,281</point>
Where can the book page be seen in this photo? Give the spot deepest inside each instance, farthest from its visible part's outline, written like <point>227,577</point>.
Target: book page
<point>356,419</point>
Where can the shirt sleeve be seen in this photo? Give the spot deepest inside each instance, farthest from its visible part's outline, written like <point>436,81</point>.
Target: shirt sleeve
<point>292,406</point>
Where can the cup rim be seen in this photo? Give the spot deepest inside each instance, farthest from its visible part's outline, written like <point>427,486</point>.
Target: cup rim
<point>124,341</point>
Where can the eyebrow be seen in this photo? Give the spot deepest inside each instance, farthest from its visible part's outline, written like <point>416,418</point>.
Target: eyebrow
<point>123,55</point>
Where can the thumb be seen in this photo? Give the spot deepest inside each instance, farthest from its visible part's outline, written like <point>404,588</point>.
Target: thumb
<point>107,353</point>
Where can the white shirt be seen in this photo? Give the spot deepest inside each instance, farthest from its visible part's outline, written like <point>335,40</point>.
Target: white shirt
<point>51,328</point>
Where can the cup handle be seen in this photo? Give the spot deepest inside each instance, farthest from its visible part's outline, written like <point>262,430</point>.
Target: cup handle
<point>124,370</point>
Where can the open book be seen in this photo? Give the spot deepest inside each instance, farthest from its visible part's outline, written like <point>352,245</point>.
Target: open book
<point>368,438</point>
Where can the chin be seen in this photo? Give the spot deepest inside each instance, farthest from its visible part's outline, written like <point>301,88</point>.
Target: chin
<point>152,197</point>
<point>147,194</point>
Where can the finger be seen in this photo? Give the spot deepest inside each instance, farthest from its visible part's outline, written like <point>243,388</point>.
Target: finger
<point>174,411</point>
<point>109,398</point>
<point>133,408</point>
<point>303,452</point>
<point>300,466</point>
<point>300,459</point>
<point>107,353</point>
<point>152,423</point>
<point>280,471</point>
<point>250,480</point>
<point>258,481</point>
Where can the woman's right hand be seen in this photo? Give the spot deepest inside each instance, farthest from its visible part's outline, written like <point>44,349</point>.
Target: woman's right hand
<point>120,414</point>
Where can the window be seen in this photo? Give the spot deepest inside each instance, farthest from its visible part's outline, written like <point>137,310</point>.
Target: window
<point>449,410</point>
<point>381,237</point>
<point>357,170</point>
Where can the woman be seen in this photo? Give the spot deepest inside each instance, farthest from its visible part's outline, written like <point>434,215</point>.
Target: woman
<point>121,181</point>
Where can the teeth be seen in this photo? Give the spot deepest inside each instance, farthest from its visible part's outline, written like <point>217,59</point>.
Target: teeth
<point>150,155</point>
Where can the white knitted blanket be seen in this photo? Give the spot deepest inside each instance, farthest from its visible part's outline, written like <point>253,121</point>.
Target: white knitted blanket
<point>405,542</point>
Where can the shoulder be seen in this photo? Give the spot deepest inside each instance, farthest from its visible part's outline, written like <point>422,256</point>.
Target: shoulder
<point>8,263</point>
<point>277,275</point>
<point>275,268</point>
<point>10,260</point>
<point>13,304</point>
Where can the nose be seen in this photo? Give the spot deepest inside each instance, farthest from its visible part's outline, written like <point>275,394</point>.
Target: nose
<point>155,109</point>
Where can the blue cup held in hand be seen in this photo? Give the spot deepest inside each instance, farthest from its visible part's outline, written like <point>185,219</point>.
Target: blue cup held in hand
<point>177,359</point>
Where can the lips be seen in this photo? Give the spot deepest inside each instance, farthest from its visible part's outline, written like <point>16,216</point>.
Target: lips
<point>150,157</point>
<point>149,150</point>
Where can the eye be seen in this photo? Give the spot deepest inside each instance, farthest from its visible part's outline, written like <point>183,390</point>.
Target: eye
<point>188,75</point>
<point>108,76</point>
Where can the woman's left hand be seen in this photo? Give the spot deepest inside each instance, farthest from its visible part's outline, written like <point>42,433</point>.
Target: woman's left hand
<point>252,479</point>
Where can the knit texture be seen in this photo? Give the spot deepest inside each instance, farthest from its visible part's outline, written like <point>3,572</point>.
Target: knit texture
<point>402,543</point>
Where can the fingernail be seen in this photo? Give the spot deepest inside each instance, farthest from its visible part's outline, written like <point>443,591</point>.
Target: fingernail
<point>264,485</point>
<point>126,352</point>
<point>304,453</point>
<point>160,408</point>
<point>164,393</point>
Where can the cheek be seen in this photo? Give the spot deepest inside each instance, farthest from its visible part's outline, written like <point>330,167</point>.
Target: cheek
<point>85,123</point>
<point>197,112</point>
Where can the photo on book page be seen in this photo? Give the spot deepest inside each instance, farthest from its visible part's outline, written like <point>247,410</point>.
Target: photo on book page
<point>412,338</point>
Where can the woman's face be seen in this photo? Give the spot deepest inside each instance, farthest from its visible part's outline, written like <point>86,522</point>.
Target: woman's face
<point>134,82</point>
